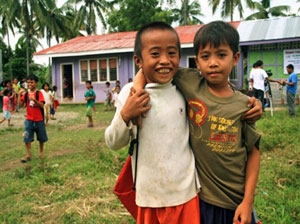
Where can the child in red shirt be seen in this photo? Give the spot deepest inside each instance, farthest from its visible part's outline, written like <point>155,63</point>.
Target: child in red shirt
<point>34,101</point>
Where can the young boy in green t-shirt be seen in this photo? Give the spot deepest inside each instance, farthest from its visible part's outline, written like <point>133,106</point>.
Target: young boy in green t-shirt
<point>90,97</point>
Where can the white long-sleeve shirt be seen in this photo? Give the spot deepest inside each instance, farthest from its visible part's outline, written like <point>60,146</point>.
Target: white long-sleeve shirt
<point>166,173</point>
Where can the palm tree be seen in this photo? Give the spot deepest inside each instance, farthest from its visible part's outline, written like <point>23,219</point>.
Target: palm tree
<point>89,10</point>
<point>8,10</point>
<point>187,13</point>
<point>228,7</point>
<point>265,11</point>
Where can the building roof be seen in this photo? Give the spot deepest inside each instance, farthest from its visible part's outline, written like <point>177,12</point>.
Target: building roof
<point>112,43</point>
<point>268,30</point>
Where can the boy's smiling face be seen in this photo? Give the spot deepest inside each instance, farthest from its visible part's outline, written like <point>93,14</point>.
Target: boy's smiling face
<point>216,64</point>
<point>160,55</point>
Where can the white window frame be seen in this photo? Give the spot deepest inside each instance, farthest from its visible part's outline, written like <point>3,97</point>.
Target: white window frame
<point>98,70</point>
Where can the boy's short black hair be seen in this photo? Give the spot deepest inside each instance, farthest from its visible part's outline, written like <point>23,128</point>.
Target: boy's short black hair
<point>89,82</point>
<point>107,83</point>
<point>33,77</point>
<point>153,26</point>
<point>6,92</point>
<point>259,63</point>
<point>290,66</point>
<point>217,33</point>
<point>54,88</point>
<point>46,83</point>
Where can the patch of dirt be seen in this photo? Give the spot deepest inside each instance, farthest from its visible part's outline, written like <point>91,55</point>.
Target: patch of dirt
<point>97,126</point>
<point>17,119</point>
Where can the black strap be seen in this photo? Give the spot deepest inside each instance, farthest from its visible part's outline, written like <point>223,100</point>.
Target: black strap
<point>130,152</point>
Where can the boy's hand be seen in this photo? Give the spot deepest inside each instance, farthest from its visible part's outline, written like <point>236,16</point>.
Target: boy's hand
<point>255,112</point>
<point>243,214</point>
<point>135,105</point>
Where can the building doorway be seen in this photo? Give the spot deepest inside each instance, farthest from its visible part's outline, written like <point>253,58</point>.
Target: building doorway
<point>67,81</point>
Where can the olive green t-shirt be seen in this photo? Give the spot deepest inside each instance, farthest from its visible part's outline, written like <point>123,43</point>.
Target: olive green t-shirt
<point>216,132</point>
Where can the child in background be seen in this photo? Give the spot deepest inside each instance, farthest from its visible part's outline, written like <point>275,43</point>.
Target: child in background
<point>166,182</point>
<point>34,101</point>
<point>115,100</point>
<point>108,94</point>
<point>6,107</point>
<point>16,88</point>
<point>54,103</point>
<point>90,97</point>
<point>48,100</point>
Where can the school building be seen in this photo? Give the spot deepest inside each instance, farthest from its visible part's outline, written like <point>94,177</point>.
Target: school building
<point>109,57</point>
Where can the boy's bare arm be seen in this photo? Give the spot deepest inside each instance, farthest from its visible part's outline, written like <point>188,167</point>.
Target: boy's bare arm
<point>20,101</point>
<point>255,112</point>
<point>139,81</point>
<point>244,210</point>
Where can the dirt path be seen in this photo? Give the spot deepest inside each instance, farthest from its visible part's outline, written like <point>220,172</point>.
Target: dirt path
<point>17,119</point>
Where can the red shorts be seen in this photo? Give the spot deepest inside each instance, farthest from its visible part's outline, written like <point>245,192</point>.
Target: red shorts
<point>56,103</point>
<point>188,212</point>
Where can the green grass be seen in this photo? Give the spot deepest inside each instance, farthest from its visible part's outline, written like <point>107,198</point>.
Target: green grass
<point>74,182</point>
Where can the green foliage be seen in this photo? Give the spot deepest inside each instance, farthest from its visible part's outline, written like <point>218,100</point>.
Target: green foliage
<point>188,15</point>
<point>265,11</point>
<point>128,18</point>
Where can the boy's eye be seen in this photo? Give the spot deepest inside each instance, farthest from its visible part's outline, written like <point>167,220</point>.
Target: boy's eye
<point>222,55</point>
<point>173,53</point>
<point>154,54</point>
<point>204,56</point>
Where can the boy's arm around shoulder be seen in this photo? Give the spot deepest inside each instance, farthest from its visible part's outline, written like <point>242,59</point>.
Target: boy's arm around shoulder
<point>117,134</point>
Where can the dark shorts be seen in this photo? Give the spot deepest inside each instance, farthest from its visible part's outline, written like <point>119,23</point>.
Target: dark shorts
<point>35,126</point>
<point>211,214</point>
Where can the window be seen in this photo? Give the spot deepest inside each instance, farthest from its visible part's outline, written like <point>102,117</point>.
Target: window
<point>99,70</point>
<point>84,71</point>
<point>93,70</point>
<point>113,69</point>
<point>102,69</point>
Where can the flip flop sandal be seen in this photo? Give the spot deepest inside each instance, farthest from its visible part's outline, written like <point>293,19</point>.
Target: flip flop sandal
<point>25,159</point>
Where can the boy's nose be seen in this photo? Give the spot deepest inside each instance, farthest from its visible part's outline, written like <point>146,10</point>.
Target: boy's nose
<point>164,59</point>
<point>213,62</point>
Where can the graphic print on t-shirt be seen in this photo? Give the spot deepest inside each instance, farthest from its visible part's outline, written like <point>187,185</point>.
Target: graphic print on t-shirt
<point>220,135</point>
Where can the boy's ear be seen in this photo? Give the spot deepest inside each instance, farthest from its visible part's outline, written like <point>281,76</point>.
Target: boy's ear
<point>236,58</point>
<point>138,61</point>
<point>197,63</point>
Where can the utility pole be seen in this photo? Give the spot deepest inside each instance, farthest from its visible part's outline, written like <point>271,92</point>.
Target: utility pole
<point>184,12</point>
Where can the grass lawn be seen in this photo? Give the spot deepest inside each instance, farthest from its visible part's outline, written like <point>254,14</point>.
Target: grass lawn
<point>74,182</point>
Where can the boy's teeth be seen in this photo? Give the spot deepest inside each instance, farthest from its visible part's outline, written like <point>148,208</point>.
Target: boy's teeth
<point>164,71</point>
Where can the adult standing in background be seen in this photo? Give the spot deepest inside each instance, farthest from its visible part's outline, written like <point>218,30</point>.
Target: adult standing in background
<point>257,81</point>
<point>291,89</point>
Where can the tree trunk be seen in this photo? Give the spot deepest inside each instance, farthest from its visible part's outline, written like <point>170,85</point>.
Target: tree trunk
<point>184,12</point>
<point>10,67</point>
<point>27,54</point>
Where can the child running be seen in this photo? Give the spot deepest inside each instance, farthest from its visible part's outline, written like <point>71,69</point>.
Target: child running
<point>6,107</point>
<point>225,148</point>
<point>48,101</point>
<point>34,102</point>
<point>90,97</point>
<point>167,183</point>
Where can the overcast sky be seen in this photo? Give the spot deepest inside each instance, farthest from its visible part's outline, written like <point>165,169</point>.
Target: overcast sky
<point>205,9</point>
